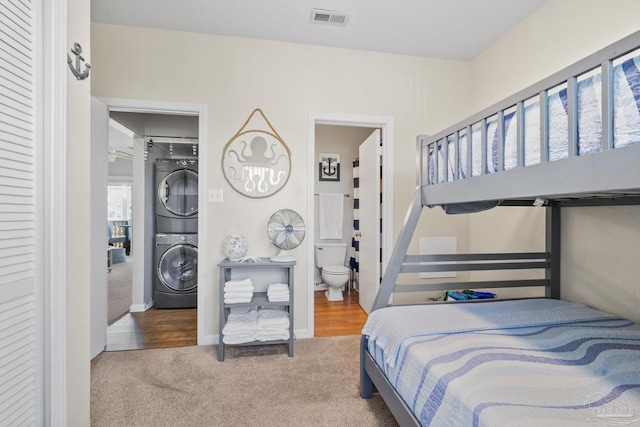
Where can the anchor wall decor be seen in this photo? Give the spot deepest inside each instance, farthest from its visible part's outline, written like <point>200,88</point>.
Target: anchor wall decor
<point>76,70</point>
<point>329,167</point>
<point>255,162</point>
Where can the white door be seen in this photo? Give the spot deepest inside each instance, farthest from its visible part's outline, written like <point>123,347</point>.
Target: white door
<point>21,222</point>
<point>99,172</point>
<point>370,187</point>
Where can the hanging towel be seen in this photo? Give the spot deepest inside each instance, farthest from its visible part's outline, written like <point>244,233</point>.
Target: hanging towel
<point>330,207</point>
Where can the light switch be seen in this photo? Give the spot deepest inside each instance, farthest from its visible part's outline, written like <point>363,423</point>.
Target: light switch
<point>215,195</point>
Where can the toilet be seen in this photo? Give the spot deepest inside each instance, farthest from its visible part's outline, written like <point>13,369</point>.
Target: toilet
<point>330,258</point>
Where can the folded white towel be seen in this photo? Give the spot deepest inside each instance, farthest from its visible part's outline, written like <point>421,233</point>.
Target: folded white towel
<point>280,334</point>
<point>242,282</point>
<point>278,298</point>
<point>239,338</point>
<point>237,300</point>
<point>241,323</point>
<point>249,318</point>
<point>243,294</point>
<point>280,291</point>
<point>277,293</point>
<point>238,329</point>
<point>238,288</point>
<point>270,318</point>
<point>330,215</point>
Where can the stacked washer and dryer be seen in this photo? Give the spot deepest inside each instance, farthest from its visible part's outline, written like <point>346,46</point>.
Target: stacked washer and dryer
<point>176,238</point>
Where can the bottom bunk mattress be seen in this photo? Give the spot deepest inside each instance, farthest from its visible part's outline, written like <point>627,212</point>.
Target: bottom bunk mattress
<point>525,362</point>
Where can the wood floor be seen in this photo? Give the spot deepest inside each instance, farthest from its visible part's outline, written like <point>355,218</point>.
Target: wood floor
<point>335,318</point>
<point>154,328</point>
<point>163,328</point>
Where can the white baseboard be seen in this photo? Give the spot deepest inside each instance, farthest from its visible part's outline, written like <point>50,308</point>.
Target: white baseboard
<point>137,308</point>
<point>209,340</point>
<point>302,334</point>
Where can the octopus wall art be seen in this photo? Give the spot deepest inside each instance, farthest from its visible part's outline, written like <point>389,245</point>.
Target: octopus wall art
<point>256,163</point>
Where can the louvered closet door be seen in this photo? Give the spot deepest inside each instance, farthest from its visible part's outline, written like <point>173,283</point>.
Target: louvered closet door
<point>20,328</point>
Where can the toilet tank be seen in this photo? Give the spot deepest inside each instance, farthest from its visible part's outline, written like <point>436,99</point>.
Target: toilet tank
<point>330,254</point>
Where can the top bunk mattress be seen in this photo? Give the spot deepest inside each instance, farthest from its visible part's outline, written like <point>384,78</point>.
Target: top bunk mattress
<point>575,134</point>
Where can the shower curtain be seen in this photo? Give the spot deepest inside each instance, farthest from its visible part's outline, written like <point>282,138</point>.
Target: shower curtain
<point>355,239</point>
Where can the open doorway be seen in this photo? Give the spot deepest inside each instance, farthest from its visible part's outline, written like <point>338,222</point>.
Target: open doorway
<point>177,129</point>
<point>356,128</point>
<point>337,308</point>
<point>168,194</point>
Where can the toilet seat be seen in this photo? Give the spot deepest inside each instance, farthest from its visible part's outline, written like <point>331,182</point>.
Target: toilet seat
<point>335,269</point>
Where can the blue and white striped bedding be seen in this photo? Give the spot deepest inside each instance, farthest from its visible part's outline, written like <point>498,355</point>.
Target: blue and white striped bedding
<point>554,371</point>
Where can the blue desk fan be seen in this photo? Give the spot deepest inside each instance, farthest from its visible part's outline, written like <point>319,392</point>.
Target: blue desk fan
<point>286,231</point>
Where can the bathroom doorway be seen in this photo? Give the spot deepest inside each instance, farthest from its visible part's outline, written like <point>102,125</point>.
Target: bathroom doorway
<point>341,135</point>
<point>337,311</point>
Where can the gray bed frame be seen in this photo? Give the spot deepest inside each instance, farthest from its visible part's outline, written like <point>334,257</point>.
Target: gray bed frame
<point>609,177</point>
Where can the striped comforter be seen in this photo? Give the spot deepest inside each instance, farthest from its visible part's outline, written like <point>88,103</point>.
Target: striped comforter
<point>560,373</point>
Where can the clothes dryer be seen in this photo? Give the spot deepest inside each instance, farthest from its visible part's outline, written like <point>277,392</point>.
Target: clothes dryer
<point>176,195</point>
<point>176,271</point>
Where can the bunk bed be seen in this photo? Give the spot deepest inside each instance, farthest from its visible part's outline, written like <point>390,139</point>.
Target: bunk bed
<point>572,139</point>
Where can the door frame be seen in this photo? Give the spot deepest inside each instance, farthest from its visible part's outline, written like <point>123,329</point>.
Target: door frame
<point>175,108</point>
<point>386,126</point>
<point>52,99</point>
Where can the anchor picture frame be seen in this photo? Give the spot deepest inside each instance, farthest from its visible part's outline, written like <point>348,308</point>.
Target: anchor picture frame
<point>329,167</point>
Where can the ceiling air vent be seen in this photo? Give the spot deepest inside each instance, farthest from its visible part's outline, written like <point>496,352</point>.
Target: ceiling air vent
<point>320,16</point>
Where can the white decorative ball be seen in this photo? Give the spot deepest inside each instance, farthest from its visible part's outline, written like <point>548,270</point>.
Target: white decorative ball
<point>235,247</point>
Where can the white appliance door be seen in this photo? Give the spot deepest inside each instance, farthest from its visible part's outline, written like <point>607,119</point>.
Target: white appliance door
<point>370,211</point>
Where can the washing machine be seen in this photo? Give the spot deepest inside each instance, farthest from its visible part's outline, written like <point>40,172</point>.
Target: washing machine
<point>176,271</point>
<point>176,196</point>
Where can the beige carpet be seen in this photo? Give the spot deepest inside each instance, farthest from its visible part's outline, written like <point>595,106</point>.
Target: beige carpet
<point>119,281</point>
<point>254,386</point>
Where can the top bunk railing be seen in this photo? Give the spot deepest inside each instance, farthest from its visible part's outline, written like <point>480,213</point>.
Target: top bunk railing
<point>559,137</point>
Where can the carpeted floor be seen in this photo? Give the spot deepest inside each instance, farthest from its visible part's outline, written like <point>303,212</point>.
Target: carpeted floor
<point>119,290</point>
<point>254,386</point>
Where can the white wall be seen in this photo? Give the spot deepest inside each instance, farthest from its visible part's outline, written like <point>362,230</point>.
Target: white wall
<point>558,34</point>
<point>233,76</point>
<point>600,245</point>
